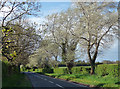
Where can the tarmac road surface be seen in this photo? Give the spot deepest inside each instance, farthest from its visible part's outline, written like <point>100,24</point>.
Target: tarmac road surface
<point>44,82</point>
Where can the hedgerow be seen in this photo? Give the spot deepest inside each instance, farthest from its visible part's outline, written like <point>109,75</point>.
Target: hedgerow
<point>75,70</point>
<point>100,70</point>
<point>107,69</point>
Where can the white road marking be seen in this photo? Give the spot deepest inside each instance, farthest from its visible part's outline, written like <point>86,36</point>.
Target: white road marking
<point>73,83</point>
<point>50,81</point>
<point>58,79</point>
<point>39,77</point>
<point>59,85</point>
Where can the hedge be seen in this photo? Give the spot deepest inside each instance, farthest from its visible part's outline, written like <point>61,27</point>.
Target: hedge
<point>47,70</point>
<point>75,70</point>
<point>80,70</point>
<point>107,69</point>
<point>61,70</point>
<point>100,70</point>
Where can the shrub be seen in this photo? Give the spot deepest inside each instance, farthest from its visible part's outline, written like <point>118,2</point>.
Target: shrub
<point>75,70</point>
<point>47,70</point>
<point>61,70</point>
<point>101,70</point>
<point>39,70</point>
<point>65,71</point>
<point>107,69</point>
<point>80,70</point>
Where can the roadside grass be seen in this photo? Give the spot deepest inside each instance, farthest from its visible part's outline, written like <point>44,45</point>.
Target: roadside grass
<point>93,80</point>
<point>16,80</point>
<point>106,75</point>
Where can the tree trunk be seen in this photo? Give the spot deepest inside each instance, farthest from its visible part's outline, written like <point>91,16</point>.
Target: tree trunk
<point>19,67</point>
<point>56,65</point>
<point>64,52</point>
<point>70,71</point>
<point>70,66</point>
<point>92,68</point>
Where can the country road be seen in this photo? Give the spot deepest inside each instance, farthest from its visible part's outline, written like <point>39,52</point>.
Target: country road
<point>44,82</point>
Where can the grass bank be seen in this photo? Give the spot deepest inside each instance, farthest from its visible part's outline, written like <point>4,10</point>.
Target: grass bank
<point>12,78</point>
<point>16,80</point>
<point>90,80</point>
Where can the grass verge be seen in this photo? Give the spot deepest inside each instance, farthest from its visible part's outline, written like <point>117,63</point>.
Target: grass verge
<point>91,80</point>
<point>16,80</point>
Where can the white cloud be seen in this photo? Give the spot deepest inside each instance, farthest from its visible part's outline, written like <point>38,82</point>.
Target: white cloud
<point>4,11</point>
<point>38,20</point>
<point>111,53</point>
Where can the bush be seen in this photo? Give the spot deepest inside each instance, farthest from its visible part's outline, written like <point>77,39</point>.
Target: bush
<point>65,71</point>
<point>40,70</point>
<point>47,70</point>
<point>101,70</point>
<point>61,70</point>
<point>105,69</point>
<point>75,70</point>
<point>80,70</point>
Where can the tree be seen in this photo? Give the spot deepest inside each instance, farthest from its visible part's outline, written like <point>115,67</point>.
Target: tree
<point>53,50</point>
<point>117,62</point>
<point>46,55</point>
<point>16,38</point>
<point>11,11</point>
<point>20,42</point>
<point>107,62</point>
<point>58,27</point>
<point>97,24</point>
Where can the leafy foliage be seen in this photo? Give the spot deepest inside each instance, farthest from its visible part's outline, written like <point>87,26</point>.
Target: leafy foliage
<point>75,70</point>
<point>101,70</point>
<point>105,69</point>
<point>47,70</point>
